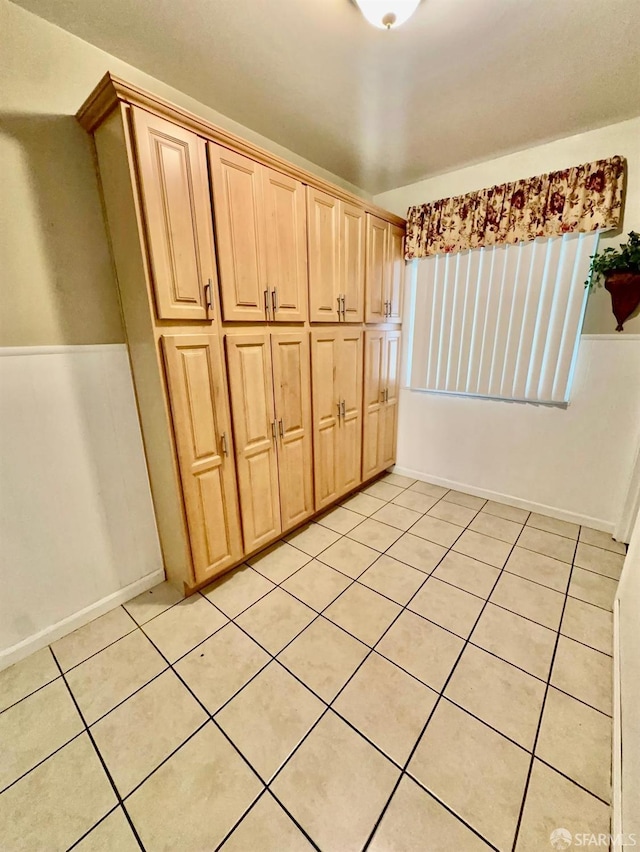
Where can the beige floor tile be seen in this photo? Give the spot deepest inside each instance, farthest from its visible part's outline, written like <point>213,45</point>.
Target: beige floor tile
<point>113,834</point>
<point>397,516</point>
<point>415,821</point>
<point>539,568</point>
<point>313,539</point>
<point>483,548</point>
<point>452,512</point>
<point>597,538</point>
<point>553,525</point>
<point>324,657</point>
<point>114,674</point>
<point>93,637</point>
<point>336,785</point>
<point>374,534</point>
<point>279,561</point>
<point>417,552</point>
<point>553,803</point>
<point>398,479</point>
<point>593,588</point>
<point>23,678</point>
<point>393,579</point>
<point>236,591</point>
<point>268,718</point>
<point>584,673</point>
<point>415,501</point>
<point>53,806</point>
<point>153,602</point>
<point>184,626</point>
<point>316,584</point>
<point>383,490</point>
<point>427,488</point>
<point>340,520</point>
<point>423,649</point>
<point>196,797</point>
<point>363,504</point>
<point>275,620</point>
<point>598,560</point>
<point>529,599</point>
<point>496,527</point>
<point>350,557</point>
<point>476,772</point>
<point>466,573</point>
<point>363,613</point>
<point>498,693</point>
<point>463,499</point>
<point>576,740</point>
<point>549,544</point>
<point>386,705</point>
<point>588,624</point>
<point>440,532</point>
<point>509,513</point>
<point>448,606</point>
<point>138,735</point>
<point>34,728</point>
<point>221,666</point>
<point>267,828</point>
<point>516,640</point>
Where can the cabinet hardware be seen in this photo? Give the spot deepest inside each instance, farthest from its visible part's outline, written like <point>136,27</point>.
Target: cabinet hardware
<point>281,428</point>
<point>386,394</point>
<point>273,429</point>
<point>274,300</point>
<point>339,306</point>
<point>343,407</point>
<point>266,303</point>
<point>382,395</point>
<point>344,307</point>
<point>207,295</point>
<point>223,441</point>
<point>338,404</point>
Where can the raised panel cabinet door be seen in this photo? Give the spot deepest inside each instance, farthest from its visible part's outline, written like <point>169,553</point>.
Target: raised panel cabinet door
<point>327,431</point>
<point>389,428</point>
<point>395,272</point>
<point>240,239</point>
<point>376,270</point>
<point>292,394</point>
<point>352,261</point>
<point>323,239</point>
<point>198,397</point>
<point>254,424</point>
<point>172,172</point>
<point>350,393</point>
<point>286,246</point>
<point>373,401</point>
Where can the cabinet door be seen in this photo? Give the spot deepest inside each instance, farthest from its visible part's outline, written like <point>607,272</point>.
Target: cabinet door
<point>376,269</point>
<point>325,364</point>
<point>389,429</point>
<point>239,223</point>
<point>352,261</point>
<point>197,392</point>
<point>172,171</point>
<point>292,393</point>
<point>373,402</point>
<point>322,216</point>
<point>286,246</point>
<point>350,393</point>
<point>254,424</point>
<point>395,272</point>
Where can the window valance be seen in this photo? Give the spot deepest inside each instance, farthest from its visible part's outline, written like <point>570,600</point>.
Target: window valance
<point>583,198</point>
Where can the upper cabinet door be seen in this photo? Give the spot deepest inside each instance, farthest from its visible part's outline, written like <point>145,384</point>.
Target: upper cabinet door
<point>389,425</point>
<point>374,396</point>
<point>325,366</point>
<point>376,270</point>
<point>198,396</point>
<point>286,246</point>
<point>349,376</point>
<point>324,290</point>
<point>172,171</point>
<point>239,223</point>
<point>395,272</point>
<point>352,261</point>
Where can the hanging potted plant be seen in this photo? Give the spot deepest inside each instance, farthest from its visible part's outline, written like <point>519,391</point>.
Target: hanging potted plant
<point>620,269</point>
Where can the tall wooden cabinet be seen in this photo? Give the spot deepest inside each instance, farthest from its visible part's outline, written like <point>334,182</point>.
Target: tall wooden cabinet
<point>384,271</point>
<point>380,404</point>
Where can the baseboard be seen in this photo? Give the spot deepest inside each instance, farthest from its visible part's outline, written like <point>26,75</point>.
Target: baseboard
<point>541,508</point>
<point>45,637</point>
<point>616,767</point>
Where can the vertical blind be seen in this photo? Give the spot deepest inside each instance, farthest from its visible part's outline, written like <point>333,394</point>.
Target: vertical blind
<point>501,321</point>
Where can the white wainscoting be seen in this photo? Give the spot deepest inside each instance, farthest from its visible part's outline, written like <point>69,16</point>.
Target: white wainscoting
<point>573,463</point>
<point>77,529</point>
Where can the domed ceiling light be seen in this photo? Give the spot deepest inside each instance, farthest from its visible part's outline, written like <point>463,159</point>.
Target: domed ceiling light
<point>387,14</point>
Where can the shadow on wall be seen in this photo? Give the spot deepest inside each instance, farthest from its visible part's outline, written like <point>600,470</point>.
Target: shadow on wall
<point>58,252</point>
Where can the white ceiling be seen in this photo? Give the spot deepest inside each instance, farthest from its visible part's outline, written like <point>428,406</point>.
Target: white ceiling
<point>462,81</point>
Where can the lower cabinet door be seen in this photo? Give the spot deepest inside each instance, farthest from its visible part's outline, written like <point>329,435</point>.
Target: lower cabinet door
<point>255,432</point>
<point>325,364</point>
<point>198,397</point>
<point>373,402</point>
<point>389,425</point>
<point>349,377</point>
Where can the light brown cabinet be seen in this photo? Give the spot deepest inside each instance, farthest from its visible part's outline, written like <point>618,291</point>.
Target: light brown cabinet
<point>380,408</point>
<point>384,271</point>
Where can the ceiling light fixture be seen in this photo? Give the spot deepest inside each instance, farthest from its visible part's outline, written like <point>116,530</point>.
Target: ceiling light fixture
<point>387,14</point>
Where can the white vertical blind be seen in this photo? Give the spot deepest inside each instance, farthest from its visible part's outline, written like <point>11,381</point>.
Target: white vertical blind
<point>500,322</point>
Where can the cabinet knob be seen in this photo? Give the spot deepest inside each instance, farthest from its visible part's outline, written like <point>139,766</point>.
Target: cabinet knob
<point>207,295</point>
<point>223,441</point>
<point>281,428</point>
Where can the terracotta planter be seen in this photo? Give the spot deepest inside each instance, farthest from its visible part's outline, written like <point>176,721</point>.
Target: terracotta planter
<point>625,294</point>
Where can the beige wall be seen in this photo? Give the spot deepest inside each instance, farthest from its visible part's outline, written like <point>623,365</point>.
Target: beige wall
<point>56,281</point>
<point>622,138</point>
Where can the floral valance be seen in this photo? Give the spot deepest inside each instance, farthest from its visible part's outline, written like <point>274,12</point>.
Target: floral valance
<point>583,198</point>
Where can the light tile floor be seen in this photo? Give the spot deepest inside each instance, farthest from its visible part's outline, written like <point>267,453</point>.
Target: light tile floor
<point>419,670</point>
